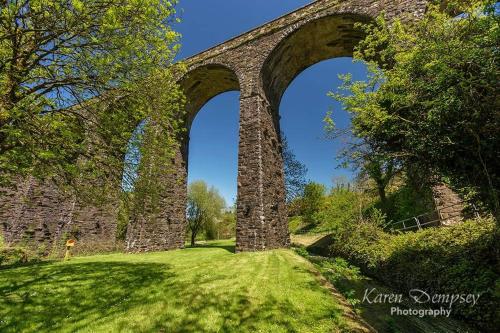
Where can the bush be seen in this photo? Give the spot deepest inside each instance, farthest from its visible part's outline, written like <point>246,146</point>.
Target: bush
<point>405,202</point>
<point>463,259</point>
<point>338,208</point>
<point>12,256</point>
<point>311,202</point>
<point>295,224</point>
<point>301,251</point>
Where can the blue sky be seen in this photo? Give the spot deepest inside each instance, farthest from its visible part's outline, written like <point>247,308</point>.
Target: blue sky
<point>213,152</point>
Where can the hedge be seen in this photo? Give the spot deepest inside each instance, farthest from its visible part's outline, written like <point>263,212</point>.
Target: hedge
<point>462,259</point>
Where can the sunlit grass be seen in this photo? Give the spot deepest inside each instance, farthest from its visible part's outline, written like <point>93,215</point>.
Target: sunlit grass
<point>203,289</point>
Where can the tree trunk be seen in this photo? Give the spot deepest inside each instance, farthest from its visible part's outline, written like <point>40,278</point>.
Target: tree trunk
<point>193,239</point>
<point>383,199</point>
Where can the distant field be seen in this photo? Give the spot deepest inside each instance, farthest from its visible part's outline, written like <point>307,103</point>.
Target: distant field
<point>203,289</point>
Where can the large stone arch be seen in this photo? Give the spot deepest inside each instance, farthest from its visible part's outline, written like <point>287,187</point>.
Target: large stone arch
<point>323,38</point>
<point>202,83</point>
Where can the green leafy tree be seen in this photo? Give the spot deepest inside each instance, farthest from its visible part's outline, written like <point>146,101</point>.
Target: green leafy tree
<point>295,172</point>
<point>431,99</point>
<point>204,208</point>
<point>72,78</point>
<point>341,208</point>
<point>226,226</point>
<point>312,200</point>
<point>381,172</point>
<point>363,157</point>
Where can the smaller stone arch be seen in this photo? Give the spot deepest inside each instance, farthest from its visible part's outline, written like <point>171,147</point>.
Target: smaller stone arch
<point>204,82</point>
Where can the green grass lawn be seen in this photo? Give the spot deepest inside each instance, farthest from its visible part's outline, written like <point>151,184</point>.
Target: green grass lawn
<point>203,289</point>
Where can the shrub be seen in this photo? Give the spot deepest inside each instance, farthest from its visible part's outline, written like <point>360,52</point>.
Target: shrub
<point>311,202</point>
<point>338,208</point>
<point>301,251</point>
<point>12,256</point>
<point>462,259</point>
<point>295,223</point>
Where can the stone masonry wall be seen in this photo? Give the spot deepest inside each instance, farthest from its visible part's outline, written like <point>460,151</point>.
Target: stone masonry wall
<point>39,215</point>
<point>449,205</point>
<point>163,229</point>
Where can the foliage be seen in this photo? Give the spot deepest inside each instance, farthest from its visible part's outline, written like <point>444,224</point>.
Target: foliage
<point>345,205</point>
<point>123,217</point>
<point>405,201</point>
<point>157,292</point>
<point>301,251</point>
<point>76,77</point>
<point>295,224</point>
<point>162,100</point>
<point>337,270</point>
<point>295,172</point>
<point>294,207</point>
<point>312,201</point>
<point>431,97</point>
<point>362,156</point>
<point>352,284</point>
<point>14,256</point>
<point>468,251</point>
<point>341,207</point>
<point>226,226</point>
<point>204,207</point>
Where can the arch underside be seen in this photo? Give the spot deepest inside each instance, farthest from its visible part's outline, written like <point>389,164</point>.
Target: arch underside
<point>204,83</point>
<point>324,38</point>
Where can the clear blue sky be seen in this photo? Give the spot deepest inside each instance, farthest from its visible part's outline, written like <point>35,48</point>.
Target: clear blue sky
<point>213,153</point>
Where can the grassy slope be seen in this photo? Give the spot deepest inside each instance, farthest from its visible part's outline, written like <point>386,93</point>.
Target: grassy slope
<point>205,289</point>
<point>352,284</point>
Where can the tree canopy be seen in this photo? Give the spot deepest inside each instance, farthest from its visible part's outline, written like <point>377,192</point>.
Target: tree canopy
<point>312,200</point>
<point>204,206</point>
<point>431,99</point>
<point>295,172</point>
<point>76,77</point>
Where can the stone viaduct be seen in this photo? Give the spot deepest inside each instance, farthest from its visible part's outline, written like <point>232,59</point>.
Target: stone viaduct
<point>260,64</point>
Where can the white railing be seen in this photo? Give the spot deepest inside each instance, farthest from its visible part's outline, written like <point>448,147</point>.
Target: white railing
<point>419,222</point>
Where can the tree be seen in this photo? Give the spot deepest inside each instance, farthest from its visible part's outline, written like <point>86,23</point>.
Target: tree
<point>204,206</point>
<point>226,228</point>
<point>381,171</point>
<point>312,200</point>
<point>431,100</point>
<point>295,172</point>
<point>71,77</point>
<point>362,156</point>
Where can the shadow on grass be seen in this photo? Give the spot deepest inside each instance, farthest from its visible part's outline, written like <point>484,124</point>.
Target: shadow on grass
<point>28,264</point>
<point>234,310</point>
<point>48,297</point>
<point>142,297</point>
<point>211,245</point>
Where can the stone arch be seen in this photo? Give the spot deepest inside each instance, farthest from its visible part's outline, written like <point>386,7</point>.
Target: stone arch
<point>205,82</point>
<point>320,39</point>
<point>166,229</point>
<point>201,84</point>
